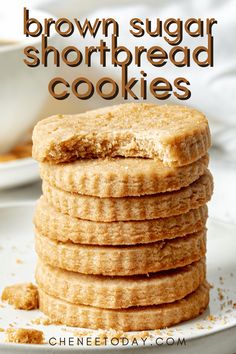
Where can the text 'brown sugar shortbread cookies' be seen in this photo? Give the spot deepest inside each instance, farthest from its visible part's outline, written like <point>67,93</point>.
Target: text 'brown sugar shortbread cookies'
<point>120,292</point>
<point>131,208</point>
<point>120,177</point>
<point>131,319</point>
<point>177,135</point>
<point>61,227</point>
<point>122,260</point>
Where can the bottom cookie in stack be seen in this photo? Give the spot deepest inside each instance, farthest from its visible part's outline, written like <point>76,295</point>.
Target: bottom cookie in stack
<point>70,292</point>
<point>127,303</point>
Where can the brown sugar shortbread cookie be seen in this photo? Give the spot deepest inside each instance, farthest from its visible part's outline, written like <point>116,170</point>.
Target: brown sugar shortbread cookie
<point>131,319</point>
<point>131,208</point>
<point>120,177</point>
<point>120,292</point>
<point>177,135</point>
<point>61,227</point>
<point>122,260</point>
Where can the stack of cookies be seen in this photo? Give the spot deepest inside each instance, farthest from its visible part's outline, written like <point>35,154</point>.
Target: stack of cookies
<point>120,228</point>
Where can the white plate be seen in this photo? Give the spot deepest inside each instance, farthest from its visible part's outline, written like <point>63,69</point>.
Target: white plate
<point>218,336</point>
<point>18,172</point>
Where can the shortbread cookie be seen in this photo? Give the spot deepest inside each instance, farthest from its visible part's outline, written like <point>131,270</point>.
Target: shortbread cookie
<point>61,227</point>
<point>120,177</point>
<point>122,260</point>
<point>177,135</point>
<point>120,292</point>
<point>131,319</point>
<point>131,208</point>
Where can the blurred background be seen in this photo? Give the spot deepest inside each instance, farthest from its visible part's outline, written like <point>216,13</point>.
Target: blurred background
<point>24,97</point>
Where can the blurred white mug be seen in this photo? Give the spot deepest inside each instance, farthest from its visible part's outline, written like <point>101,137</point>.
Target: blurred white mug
<point>23,90</point>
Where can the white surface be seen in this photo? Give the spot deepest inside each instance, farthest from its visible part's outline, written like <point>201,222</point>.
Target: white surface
<point>219,336</point>
<point>18,172</point>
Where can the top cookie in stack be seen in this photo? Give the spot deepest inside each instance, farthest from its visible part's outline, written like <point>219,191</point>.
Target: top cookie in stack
<point>124,195</point>
<point>176,135</point>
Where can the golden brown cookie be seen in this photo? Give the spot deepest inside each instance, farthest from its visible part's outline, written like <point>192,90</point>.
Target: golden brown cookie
<point>154,206</point>
<point>61,227</point>
<point>121,177</point>
<point>122,260</point>
<point>177,135</point>
<point>131,319</point>
<point>120,292</point>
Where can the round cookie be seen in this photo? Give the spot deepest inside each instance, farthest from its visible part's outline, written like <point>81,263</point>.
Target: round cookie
<point>177,135</point>
<point>131,208</point>
<point>61,227</point>
<point>120,292</point>
<point>121,177</point>
<point>131,319</point>
<point>122,260</point>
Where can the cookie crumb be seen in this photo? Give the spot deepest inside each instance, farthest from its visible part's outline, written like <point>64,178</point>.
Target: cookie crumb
<point>220,294</point>
<point>221,280</point>
<point>222,306</point>
<point>46,321</point>
<point>23,335</point>
<point>19,261</point>
<point>199,326</point>
<point>211,318</point>
<point>21,296</point>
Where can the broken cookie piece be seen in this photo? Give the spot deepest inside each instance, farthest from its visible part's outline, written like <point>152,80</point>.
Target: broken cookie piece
<point>24,336</point>
<point>21,296</point>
